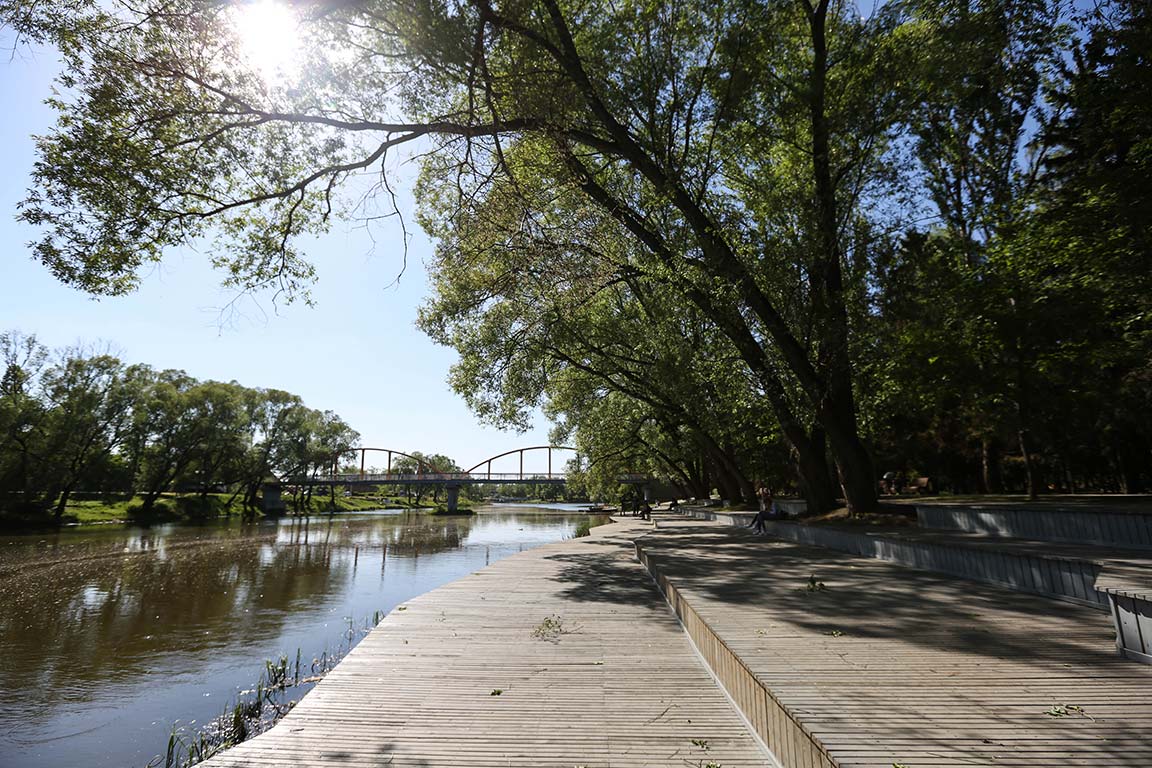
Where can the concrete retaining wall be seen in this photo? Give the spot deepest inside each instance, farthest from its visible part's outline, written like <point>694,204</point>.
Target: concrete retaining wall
<point>1045,523</point>
<point>1132,616</point>
<point>1072,580</point>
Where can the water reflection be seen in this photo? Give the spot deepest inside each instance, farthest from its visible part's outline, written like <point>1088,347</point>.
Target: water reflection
<point>112,635</point>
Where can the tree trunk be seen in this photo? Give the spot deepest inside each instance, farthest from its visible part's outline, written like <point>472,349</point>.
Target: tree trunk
<point>727,470</point>
<point>854,466</point>
<point>1029,469</point>
<point>61,504</point>
<point>990,466</point>
<point>725,484</point>
<point>250,495</point>
<point>746,486</point>
<point>812,468</point>
<point>703,487</point>
<point>149,501</point>
<point>837,409</point>
<point>1124,484</point>
<point>232,498</point>
<point>747,491</point>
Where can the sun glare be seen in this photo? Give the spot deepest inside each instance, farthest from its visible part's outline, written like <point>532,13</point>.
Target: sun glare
<point>269,37</point>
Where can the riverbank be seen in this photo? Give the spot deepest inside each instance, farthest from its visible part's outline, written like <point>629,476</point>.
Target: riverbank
<point>199,508</point>
<point>191,508</point>
<point>138,629</point>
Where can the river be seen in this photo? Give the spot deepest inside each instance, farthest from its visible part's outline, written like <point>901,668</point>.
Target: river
<point>110,637</point>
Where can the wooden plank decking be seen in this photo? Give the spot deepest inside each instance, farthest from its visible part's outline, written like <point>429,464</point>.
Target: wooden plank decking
<point>885,666</point>
<point>615,684</point>
<point>892,666</point>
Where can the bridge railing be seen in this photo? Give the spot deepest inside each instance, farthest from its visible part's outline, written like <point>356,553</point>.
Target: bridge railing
<point>432,477</point>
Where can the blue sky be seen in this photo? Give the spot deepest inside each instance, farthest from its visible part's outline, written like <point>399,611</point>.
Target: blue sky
<point>356,352</point>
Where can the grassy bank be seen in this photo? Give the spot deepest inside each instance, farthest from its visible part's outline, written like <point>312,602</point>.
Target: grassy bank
<point>171,507</point>
<point>168,508</point>
<point>185,508</point>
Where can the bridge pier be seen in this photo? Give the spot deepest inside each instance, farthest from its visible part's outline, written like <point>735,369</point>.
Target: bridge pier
<point>271,501</point>
<point>453,493</point>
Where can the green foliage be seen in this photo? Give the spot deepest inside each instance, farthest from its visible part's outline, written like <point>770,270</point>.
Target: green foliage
<point>1020,325</point>
<point>718,244</point>
<point>82,424</point>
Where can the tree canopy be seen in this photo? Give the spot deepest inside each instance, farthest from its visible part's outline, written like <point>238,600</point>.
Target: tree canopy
<point>783,240</point>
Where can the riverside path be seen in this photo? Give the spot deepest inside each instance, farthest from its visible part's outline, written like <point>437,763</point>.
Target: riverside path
<point>565,655</point>
<point>569,655</point>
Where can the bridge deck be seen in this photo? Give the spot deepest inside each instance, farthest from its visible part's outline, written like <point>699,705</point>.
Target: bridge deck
<point>615,684</point>
<point>892,666</point>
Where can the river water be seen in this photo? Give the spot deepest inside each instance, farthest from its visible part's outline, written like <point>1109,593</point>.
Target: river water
<point>111,637</point>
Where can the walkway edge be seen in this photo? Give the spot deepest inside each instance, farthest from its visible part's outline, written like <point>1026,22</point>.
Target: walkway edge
<point>785,739</point>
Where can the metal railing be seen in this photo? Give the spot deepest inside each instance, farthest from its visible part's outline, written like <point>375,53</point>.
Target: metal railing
<point>431,477</point>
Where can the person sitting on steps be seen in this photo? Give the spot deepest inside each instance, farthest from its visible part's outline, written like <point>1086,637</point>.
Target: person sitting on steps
<point>767,509</point>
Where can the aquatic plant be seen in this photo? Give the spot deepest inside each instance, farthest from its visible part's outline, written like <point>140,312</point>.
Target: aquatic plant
<point>257,709</point>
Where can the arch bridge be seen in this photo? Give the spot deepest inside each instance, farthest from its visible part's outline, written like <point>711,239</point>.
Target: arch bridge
<point>427,474</point>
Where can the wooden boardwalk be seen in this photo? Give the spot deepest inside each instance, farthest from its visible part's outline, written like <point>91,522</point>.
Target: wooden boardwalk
<point>887,666</point>
<point>610,680</point>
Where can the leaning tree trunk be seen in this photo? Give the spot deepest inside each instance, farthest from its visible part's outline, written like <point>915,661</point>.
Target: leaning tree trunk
<point>725,483</point>
<point>150,500</point>
<point>853,464</point>
<point>1029,465</point>
<point>61,505</point>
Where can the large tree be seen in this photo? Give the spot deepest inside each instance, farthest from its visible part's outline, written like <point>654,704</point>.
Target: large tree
<point>645,109</point>
<point>89,398</point>
<point>22,419</point>
<point>747,162</point>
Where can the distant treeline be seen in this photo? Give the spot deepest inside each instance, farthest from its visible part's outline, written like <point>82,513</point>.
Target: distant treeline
<point>80,421</point>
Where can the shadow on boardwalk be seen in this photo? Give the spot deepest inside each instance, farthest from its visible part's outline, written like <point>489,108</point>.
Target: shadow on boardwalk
<point>886,665</point>
<point>878,599</point>
<point>604,571</point>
